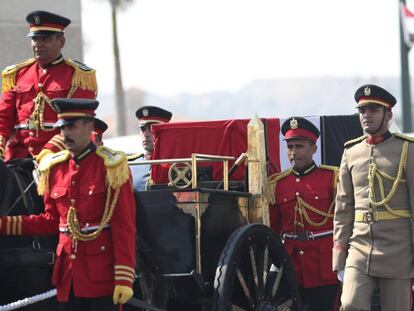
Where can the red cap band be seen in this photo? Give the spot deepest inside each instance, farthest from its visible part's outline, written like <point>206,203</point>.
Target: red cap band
<point>300,133</point>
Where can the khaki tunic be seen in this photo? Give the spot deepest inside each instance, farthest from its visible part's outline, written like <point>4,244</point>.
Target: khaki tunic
<point>381,248</point>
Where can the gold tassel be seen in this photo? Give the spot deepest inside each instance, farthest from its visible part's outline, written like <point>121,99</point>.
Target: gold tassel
<point>43,185</point>
<point>117,175</point>
<point>9,80</point>
<point>9,74</point>
<point>85,80</point>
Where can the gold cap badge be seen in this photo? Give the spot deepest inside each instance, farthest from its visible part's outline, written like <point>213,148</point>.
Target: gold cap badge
<point>367,91</point>
<point>37,20</point>
<point>293,123</point>
<point>145,112</point>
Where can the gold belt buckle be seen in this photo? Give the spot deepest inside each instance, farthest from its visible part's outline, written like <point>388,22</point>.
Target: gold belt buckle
<point>31,124</point>
<point>370,217</point>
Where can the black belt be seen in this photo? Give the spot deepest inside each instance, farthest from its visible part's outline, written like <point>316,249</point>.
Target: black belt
<point>13,257</point>
<point>306,235</point>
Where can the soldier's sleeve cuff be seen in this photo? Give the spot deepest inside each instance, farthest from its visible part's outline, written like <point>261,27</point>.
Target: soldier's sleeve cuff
<point>339,255</point>
<point>124,275</point>
<point>11,225</point>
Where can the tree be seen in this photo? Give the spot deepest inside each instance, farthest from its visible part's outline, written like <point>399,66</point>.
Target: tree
<point>120,106</point>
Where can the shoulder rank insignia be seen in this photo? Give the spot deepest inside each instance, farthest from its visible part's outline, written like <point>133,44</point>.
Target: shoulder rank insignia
<point>51,159</point>
<point>404,137</point>
<point>329,167</point>
<point>335,171</point>
<point>46,163</point>
<point>134,157</point>
<point>9,74</point>
<point>354,141</point>
<point>117,170</point>
<point>272,181</point>
<point>83,76</point>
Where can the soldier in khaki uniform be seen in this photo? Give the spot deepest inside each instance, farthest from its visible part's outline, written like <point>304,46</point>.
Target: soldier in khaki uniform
<point>372,222</point>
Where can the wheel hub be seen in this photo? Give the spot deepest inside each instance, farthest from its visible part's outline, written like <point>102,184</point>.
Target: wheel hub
<point>265,306</point>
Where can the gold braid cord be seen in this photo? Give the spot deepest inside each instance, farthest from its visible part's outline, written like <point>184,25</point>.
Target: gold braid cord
<point>374,173</point>
<point>73,223</point>
<point>37,117</point>
<point>301,207</point>
<point>117,173</point>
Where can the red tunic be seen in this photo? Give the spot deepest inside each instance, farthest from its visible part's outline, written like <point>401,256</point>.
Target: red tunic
<point>96,266</point>
<point>17,105</point>
<point>311,258</point>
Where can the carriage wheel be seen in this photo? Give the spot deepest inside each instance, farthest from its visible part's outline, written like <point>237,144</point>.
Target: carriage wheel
<point>254,273</point>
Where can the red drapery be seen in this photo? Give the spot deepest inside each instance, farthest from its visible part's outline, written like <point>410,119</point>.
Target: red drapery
<point>225,138</point>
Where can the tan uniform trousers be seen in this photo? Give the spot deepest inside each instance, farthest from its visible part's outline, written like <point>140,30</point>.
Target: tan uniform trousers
<point>358,287</point>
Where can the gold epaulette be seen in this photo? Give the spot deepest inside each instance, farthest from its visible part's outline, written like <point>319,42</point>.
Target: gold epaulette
<point>354,141</point>
<point>117,170</point>
<point>134,156</point>
<point>46,163</point>
<point>272,180</point>
<point>335,170</point>
<point>404,137</point>
<point>9,74</point>
<point>83,77</point>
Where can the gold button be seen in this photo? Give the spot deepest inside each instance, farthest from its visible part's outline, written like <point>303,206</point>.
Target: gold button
<point>317,198</point>
<point>30,149</point>
<point>73,256</point>
<point>297,179</point>
<point>284,200</point>
<point>90,192</point>
<point>73,182</point>
<point>55,194</point>
<point>73,201</point>
<point>297,194</point>
<point>301,252</point>
<point>103,248</point>
<point>31,133</point>
<point>40,85</point>
<point>44,70</point>
<point>77,165</point>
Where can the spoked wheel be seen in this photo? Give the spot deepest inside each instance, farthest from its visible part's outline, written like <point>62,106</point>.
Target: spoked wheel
<point>254,273</point>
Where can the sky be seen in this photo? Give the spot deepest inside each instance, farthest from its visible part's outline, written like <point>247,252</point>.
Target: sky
<point>198,46</point>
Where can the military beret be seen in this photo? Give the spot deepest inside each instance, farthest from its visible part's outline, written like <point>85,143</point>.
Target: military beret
<point>43,23</point>
<point>70,109</point>
<point>152,114</point>
<point>299,128</point>
<point>369,94</point>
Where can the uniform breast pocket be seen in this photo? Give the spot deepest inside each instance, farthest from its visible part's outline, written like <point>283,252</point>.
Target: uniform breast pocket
<point>54,89</point>
<point>24,96</point>
<point>59,194</point>
<point>92,196</point>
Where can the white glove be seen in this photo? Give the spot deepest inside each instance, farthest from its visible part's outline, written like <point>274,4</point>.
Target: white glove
<point>340,275</point>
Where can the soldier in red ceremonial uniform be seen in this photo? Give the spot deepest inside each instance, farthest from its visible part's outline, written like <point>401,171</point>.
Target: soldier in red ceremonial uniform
<point>304,197</point>
<point>26,116</point>
<point>88,200</point>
